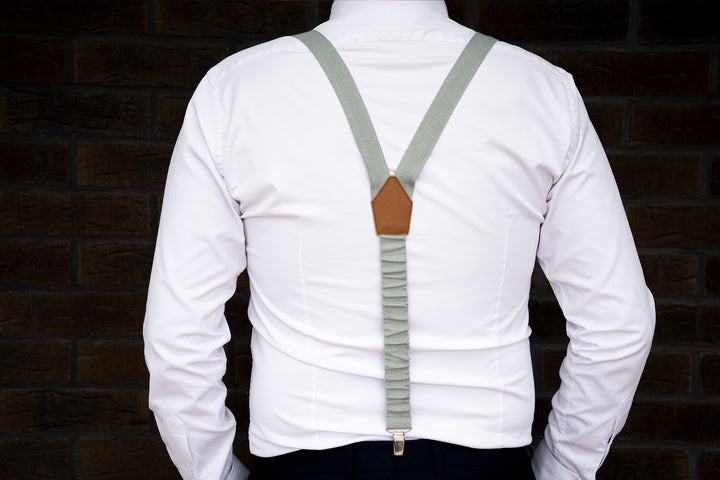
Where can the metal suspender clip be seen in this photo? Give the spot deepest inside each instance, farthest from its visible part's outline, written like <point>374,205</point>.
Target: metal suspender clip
<point>398,441</point>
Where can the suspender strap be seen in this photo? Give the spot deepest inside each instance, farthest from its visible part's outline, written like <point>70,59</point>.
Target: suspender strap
<point>392,202</point>
<point>353,105</point>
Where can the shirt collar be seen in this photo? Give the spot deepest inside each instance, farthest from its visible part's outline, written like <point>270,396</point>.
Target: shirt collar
<point>388,12</point>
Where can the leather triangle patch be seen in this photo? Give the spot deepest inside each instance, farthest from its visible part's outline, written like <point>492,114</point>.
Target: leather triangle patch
<point>392,209</point>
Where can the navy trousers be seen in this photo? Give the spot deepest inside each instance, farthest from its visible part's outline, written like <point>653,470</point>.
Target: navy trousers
<point>423,460</point>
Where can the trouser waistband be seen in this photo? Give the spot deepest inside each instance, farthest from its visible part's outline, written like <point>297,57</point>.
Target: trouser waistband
<point>378,456</point>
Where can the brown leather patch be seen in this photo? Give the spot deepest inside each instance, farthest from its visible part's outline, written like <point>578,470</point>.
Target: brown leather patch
<point>392,209</point>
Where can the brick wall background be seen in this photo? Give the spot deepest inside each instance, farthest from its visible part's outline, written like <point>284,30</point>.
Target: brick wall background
<point>92,95</point>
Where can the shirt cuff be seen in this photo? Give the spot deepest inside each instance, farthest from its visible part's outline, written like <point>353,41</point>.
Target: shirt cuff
<point>238,471</point>
<point>546,467</point>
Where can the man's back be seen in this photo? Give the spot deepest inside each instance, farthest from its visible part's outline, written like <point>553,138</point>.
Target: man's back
<point>518,171</point>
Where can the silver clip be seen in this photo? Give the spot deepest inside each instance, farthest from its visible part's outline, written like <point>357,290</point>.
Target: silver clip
<point>398,443</point>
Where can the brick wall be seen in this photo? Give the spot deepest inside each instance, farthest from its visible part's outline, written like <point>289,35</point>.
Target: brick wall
<point>92,95</point>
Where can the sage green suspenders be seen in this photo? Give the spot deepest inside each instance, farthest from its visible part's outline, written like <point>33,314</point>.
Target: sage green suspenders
<point>392,203</point>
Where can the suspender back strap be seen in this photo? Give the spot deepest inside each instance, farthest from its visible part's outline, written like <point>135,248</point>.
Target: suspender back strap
<point>392,202</point>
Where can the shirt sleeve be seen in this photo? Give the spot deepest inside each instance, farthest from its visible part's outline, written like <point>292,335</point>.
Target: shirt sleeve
<point>199,254</point>
<point>588,255</point>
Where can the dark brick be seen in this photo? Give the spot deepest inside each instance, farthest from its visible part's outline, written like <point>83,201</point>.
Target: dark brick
<point>128,16</point>
<point>657,176</point>
<point>241,449</point>
<point>71,313</point>
<point>28,361</point>
<point>670,274</point>
<point>666,373</point>
<point>681,324</point>
<point>638,73</point>
<point>236,313</point>
<point>115,263</point>
<point>123,166</point>
<point>71,112</point>
<point>81,410</point>
<point>138,64</point>
<point>709,466</point>
<point>675,225</point>
<point>710,374</point>
<point>554,21</point>
<point>238,401</point>
<point>540,421</point>
<point>52,213</point>
<point>171,111</point>
<point>680,421</point>
<point>680,125</point>
<point>644,463</point>
<point>34,263</point>
<point>34,458</point>
<point>608,120</point>
<point>547,321</point>
<point>243,363</point>
<point>669,21</point>
<point>40,163</point>
<point>108,361</point>
<point>714,180</point>
<point>712,276</point>
<point>32,59</point>
<point>550,361</point>
<point>124,457</point>
<point>227,18</point>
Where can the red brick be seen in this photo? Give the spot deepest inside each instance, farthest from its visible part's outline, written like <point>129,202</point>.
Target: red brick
<point>54,213</point>
<point>28,361</point>
<point>124,457</point>
<point>115,263</point>
<point>554,20</point>
<point>657,176</point>
<point>638,73</point>
<point>676,125</point>
<point>34,263</point>
<point>608,120</point>
<point>714,180</point>
<point>77,410</point>
<point>227,18</point>
<point>111,361</point>
<point>171,111</point>
<point>682,324</point>
<point>32,59</point>
<point>675,225</point>
<point>139,64</point>
<point>34,458</point>
<point>40,163</point>
<point>669,21</point>
<point>654,420</point>
<point>670,274</point>
<point>710,374</point>
<point>645,463</point>
<point>712,276</point>
<point>71,313</point>
<point>666,373</point>
<point>709,466</point>
<point>73,112</point>
<point>122,166</point>
<point>128,16</point>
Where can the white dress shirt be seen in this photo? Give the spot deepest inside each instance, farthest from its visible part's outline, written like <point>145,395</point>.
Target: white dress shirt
<point>266,176</point>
